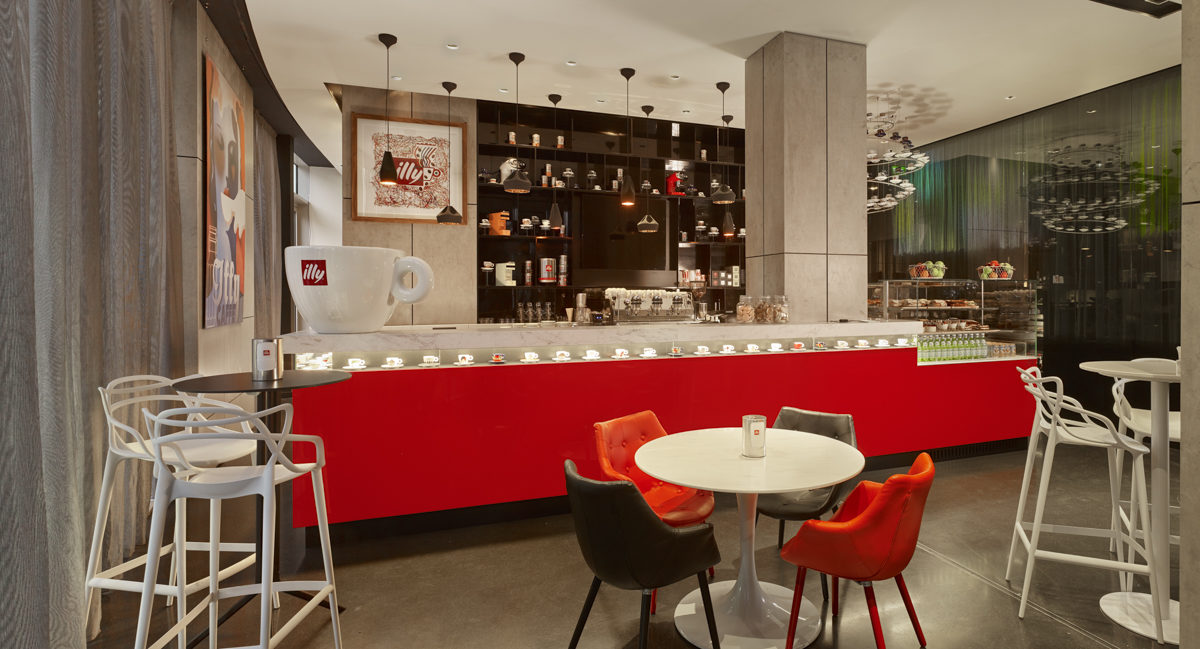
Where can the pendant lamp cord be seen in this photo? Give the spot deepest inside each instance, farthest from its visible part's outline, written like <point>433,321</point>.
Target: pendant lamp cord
<point>387,117</point>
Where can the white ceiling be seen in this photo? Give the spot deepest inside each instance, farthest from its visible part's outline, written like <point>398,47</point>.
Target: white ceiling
<point>954,61</point>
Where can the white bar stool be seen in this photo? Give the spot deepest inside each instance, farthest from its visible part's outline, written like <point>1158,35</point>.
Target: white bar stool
<point>173,427</point>
<point>125,442</point>
<point>1062,420</point>
<point>1136,422</point>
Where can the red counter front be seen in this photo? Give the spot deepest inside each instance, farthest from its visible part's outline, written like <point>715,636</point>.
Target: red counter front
<point>410,441</point>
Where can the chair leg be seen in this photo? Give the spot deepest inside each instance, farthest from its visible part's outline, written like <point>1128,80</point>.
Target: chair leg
<point>712,572</point>
<point>869,590</point>
<point>1039,510</point>
<point>644,627</point>
<point>214,567</point>
<point>824,587</point>
<point>1115,543</point>
<point>797,598</point>
<point>779,543</point>
<point>708,611</point>
<point>153,544</point>
<point>179,562</point>
<point>326,556</point>
<point>835,597</point>
<point>583,615</point>
<point>268,567</point>
<point>912,612</point>
<point>1030,457</point>
<point>653,601</point>
<point>102,508</point>
<point>1152,560</point>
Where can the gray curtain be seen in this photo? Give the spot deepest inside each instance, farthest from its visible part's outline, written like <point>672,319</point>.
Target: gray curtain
<point>268,260</point>
<point>89,291</point>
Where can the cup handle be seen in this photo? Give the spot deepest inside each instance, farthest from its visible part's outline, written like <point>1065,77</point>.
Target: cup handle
<point>424,279</point>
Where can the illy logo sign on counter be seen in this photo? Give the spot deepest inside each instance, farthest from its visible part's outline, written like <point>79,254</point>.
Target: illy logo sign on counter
<point>312,272</point>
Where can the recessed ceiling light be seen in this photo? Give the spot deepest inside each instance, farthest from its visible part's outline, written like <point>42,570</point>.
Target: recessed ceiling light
<point>572,63</point>
<point>674,77</point>
<point>1091,112</point>
<point>396,77</point>
<point>599,101</point>
<point>686,111</point>
<point>452,46</point>
<point>503,90</point>
<point>1010,97</point>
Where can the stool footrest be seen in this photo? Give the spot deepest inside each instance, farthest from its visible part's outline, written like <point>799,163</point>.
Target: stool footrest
<point>277,587</point>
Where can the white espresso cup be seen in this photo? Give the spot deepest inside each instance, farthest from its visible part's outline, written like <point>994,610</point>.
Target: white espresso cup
<point>352,289</point>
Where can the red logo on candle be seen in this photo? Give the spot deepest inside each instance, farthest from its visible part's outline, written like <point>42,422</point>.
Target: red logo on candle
<point>312,272</point>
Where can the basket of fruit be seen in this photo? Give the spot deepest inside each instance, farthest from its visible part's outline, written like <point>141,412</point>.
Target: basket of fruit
<point>927,270</point>
<point>996,270</point>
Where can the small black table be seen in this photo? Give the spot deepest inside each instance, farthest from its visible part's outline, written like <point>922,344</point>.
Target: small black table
<point>268,394</point>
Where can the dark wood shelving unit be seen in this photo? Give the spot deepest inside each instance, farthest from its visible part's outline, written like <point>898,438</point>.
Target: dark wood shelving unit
<point>602,244</point>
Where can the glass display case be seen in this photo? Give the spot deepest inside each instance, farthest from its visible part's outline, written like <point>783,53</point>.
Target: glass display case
<point>737,345</point>
<point>963,319</point>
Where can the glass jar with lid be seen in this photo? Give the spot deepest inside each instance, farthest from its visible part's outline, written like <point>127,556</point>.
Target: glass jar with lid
<point>745,309</point>
<point>764,311</point>
<point>781,309</point>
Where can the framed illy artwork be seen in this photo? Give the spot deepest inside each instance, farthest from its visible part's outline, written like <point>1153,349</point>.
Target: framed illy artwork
<point>430,168</point>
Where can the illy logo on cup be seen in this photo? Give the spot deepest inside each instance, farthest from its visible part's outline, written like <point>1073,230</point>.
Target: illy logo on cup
<point>312,272</point>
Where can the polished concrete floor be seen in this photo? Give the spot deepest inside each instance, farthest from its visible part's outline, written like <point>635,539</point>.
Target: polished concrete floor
<point>521,584</point>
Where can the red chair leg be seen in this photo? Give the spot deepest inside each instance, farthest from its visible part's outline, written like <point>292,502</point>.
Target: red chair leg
<point>912,612</point>
<point>712,573</point>
<point>875,626</point>
<point>797,597</point>
<point>835,596</point>
<point>653,601</point>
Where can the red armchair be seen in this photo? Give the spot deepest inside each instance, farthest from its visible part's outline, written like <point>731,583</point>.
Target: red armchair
<point>617,441</point>
<point>871,538</point>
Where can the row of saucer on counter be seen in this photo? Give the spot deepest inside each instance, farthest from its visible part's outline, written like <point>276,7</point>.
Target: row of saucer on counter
<point>464,360</point>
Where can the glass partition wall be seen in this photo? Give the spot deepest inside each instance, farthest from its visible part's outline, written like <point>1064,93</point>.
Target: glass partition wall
<point>1083,199</point>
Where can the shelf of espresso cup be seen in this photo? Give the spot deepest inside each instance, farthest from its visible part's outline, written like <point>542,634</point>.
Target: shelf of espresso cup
<point>522,237</point>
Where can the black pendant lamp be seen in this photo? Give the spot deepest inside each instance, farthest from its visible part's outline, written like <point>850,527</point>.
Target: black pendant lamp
<point>556,222</point>
<point>387,168</point>
<point>724,194</point>
<point>518,181</point>
<point>628,194</point>
<point>648,224</point>
<point>728,229</point>
<point>449,215</point>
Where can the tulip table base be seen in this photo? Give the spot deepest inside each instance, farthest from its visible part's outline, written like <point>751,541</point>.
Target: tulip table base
<point>750,614</point>
<point>1135,612</point>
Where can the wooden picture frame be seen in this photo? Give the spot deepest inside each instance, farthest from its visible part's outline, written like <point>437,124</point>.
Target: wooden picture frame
<point>421,150</point>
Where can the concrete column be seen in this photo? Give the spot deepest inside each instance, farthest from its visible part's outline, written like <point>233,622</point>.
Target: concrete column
<point>1189,464</point>
<point>806,217</point>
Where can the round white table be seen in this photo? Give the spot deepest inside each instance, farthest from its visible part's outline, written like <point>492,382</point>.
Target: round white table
<point>1134,611</point>
<point>750,614</point>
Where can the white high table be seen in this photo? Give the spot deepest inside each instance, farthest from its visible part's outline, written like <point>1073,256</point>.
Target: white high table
<point>750,614</point>
<point>1134,611</point>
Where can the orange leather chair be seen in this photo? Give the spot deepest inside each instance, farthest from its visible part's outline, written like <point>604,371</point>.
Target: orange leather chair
<point>871,538</point>
<point>617,441</point>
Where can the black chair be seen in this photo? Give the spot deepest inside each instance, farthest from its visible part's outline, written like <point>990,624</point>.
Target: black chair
<point>806,505</point>
<point>628,546</point>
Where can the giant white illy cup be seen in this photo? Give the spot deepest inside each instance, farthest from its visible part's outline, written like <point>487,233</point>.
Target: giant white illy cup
<point>754,435</point>
<point>352,289</point>
<point>266,361</point>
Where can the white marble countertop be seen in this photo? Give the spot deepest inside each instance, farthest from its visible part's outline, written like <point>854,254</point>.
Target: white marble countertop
<point>474,336</point>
